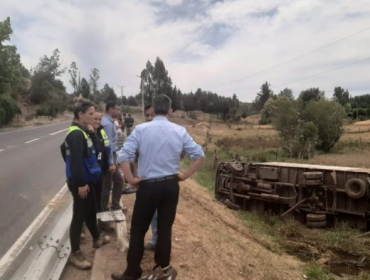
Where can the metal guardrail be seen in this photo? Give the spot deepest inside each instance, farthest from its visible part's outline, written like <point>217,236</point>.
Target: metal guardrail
<point>48,255</point>
<point>47,260</point>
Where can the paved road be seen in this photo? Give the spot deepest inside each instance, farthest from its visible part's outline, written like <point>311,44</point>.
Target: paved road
<point>31,173</point>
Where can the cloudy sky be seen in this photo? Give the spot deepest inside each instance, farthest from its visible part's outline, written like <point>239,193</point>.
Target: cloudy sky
<point>227,47</point>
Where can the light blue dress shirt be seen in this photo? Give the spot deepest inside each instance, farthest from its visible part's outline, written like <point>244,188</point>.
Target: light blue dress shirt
<point>110,129</point>
<point>160,143</point>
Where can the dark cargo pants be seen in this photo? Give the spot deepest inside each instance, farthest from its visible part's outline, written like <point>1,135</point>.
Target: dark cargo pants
<point>114,182</point>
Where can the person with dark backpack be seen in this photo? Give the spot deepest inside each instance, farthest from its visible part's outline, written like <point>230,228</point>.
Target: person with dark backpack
<point>83,172</point>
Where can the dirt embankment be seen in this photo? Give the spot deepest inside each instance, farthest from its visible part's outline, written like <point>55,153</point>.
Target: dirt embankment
<point>209,243</point>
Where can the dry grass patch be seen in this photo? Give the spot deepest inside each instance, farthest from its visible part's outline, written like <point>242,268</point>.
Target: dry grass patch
<point>351,159</point>
<point>210,242</point>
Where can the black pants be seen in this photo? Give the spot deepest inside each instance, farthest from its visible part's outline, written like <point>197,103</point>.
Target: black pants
<point>84,211</point>
<point>98,194</point>
<point>163,196</point>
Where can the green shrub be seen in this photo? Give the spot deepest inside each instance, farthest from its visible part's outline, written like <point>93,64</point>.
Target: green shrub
<point>8,109</point>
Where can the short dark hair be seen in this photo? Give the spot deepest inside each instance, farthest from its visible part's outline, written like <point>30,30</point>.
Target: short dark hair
<point>81,106</point>
<point>147,107</point>
<point>161,104</point>
<point>110,104</point>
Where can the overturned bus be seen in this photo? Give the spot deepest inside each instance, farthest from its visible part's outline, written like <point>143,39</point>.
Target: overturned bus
<point>317,195</point>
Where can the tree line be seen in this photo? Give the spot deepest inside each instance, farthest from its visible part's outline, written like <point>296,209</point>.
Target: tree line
<point>310,122</point>
<point>155,79</point>
<point>43,88</point>
<point>356,107</point>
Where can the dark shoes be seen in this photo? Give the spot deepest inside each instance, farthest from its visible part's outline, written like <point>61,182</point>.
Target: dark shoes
<point>78,259</point>
<point>149,247</point>
<point>115,208</point>
<point>129,190</point>
<point>167,273</point>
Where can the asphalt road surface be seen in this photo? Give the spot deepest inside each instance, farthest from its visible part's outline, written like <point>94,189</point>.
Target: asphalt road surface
<point>31,173</point>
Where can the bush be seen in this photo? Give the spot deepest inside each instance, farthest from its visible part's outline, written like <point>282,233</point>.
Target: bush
<point>318,125</point>
<point>53,107</point>
<point>8,109</point>
<point>329,118</point>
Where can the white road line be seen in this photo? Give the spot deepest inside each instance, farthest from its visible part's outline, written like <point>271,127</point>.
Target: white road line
<point>2,150</point>
<point>31,140</point>
<point>22,241</point>
<point>59,131</point>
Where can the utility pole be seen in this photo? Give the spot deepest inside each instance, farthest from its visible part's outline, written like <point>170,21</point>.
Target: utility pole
<point>121,96</point>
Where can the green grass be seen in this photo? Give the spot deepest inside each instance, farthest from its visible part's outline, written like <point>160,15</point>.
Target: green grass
<point>204,176</point>
<point>285,235</point>
<point>315,272</point>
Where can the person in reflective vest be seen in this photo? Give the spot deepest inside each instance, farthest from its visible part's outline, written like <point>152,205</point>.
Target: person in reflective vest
<point>83,172</point>
<point>103,153</point>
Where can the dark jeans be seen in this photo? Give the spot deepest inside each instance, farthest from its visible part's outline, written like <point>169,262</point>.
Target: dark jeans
<point>98,194</point>
<point>163,196</point>
<point>84,211</point>
<point>117,180</point>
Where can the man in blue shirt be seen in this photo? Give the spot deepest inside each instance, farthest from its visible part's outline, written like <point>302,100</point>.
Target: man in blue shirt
<point>113,174</point>
<point>160,143</point>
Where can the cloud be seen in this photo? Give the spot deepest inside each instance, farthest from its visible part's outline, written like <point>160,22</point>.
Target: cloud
<point>219,46</point>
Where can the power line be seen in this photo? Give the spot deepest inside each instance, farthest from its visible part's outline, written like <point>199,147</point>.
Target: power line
<point>297,57</point>
<point>322,73</point>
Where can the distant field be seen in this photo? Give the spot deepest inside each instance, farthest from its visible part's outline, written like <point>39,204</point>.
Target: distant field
<point>251,140</point>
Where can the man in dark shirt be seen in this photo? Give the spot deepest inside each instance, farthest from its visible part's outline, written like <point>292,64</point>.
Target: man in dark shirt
<point>129,123</point>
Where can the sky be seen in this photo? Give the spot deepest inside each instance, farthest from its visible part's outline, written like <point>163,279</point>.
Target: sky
<point>227,47</point>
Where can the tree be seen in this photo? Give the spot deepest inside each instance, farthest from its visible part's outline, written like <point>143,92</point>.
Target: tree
<point>286,121</point>
<point>286,92</point>
<point>235,101</point>
<point>263,96</point>
<point>162,82</point>
<point>94,77</point>
<point>147,83</point>
<point>307,139</point>
<point>44,83</point>
<point>131,101</point>
<point>267,111</point>
<point>5,31</point>
<point>50,65</point>
<point>108,93</point>
<point>329,118</point>
<point>85,88</point>
<point>8,109</point>
<point>311,94</point>
<point>74,81</point>
<point>341,96</point>
<point>12,71</point>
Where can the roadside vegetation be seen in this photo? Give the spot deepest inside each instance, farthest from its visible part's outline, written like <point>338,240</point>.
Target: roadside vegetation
<point>324,250</point>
